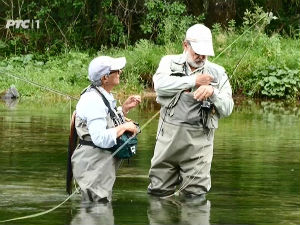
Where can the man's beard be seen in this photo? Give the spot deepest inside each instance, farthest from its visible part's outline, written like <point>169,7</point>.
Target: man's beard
<point>192,63</point>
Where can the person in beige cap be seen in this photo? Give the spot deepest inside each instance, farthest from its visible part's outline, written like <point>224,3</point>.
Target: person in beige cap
<point>194,94</point>
<point>93,167</point>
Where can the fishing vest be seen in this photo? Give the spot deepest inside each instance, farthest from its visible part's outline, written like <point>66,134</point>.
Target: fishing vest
<point>126,144</point>
<point>183,109</point>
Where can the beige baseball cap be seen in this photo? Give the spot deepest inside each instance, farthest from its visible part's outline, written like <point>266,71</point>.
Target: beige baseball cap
<point>103,65</point>
<point>201,39</point>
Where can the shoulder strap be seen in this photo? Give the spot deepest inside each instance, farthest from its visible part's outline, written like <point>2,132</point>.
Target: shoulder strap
<point>111,112</point>
<point>85,90</point>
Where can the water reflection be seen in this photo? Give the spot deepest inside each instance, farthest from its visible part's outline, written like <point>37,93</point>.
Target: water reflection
<point>11,103</point>
<point>255,171</point>
<point>173,211</point>
<point>170,211</point>
<point>94,213</point>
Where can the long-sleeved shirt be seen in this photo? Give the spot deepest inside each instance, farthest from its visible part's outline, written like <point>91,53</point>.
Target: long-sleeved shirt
<point>92,109</point>
<point>166,85</point>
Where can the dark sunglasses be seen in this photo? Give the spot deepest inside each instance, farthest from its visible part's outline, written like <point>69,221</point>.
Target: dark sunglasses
<point>114,71</point>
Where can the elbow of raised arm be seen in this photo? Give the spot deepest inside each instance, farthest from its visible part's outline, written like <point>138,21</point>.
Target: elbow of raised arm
<point>226,109</point>
<point>156,82</point>
<point>158,87</point>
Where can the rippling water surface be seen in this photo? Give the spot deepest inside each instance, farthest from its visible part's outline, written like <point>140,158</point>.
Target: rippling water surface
<point>255,171</point>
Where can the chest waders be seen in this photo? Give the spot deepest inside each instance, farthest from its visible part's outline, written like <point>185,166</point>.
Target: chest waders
<point>188,110</point>
<point>184,147</point>
<point>93,167</point>
<point>126,144</point>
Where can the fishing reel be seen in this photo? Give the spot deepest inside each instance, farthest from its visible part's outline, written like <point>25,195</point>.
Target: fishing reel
<point>206,105</point>
<point>205,108</point>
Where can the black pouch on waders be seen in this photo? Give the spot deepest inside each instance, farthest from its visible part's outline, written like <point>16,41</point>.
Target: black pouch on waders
<point>126,144</point>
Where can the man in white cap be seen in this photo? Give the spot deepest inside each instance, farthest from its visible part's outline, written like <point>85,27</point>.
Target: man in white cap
<point>93,167</point>
<point>193,93</point>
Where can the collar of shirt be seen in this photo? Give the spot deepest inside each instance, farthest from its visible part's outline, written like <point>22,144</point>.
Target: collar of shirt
<point>189,70</point>
<point>110,98</point>
<point>182,61</point>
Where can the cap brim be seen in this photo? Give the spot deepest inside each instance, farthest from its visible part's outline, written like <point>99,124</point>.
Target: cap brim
<point>203,48</point>
<point>118,63</point>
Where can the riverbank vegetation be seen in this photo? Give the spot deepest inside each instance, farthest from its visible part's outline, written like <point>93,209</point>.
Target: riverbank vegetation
<point>260,59</point>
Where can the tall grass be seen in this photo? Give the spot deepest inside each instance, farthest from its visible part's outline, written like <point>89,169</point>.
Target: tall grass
<point>67,72</point>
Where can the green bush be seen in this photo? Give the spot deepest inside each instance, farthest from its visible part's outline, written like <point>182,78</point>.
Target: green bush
<point>275,82</point>
<point>247,61</point>
<point>167,22</point>
<point>66,73</point>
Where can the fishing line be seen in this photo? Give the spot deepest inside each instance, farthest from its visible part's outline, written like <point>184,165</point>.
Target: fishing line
<point>41,86</point>
<point>76,189</point>
<point>245,51</point>
<point>71,97</point>
<point>187,181</point>
<point>142,128</point>
<point>239,37</point>
<point>239,62</point>
<point>44,212</point>
<point>191,178</point>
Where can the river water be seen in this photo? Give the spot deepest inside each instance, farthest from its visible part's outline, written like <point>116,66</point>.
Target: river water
<point>255,170</point>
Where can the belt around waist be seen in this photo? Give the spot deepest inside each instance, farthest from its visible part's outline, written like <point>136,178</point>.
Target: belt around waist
<point>90,143</point>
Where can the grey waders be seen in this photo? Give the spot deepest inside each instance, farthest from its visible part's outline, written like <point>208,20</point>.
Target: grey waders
<point>183,151</point>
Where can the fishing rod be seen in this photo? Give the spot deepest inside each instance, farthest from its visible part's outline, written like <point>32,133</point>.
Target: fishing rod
<point>225,49</point>
<point>188,181</point>
<point>239,62</point>
<point>71,97</point>
<point>228,78</point>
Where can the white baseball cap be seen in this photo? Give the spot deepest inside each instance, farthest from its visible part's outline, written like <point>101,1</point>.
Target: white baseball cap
<point>103,65</point>
<point>201,39</point>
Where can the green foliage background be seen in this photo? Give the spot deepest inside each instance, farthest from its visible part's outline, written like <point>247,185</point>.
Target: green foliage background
<point>263,62</point>
<point>88,24</point>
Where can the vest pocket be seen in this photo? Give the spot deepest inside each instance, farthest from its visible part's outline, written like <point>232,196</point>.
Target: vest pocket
<point>187,109</point>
